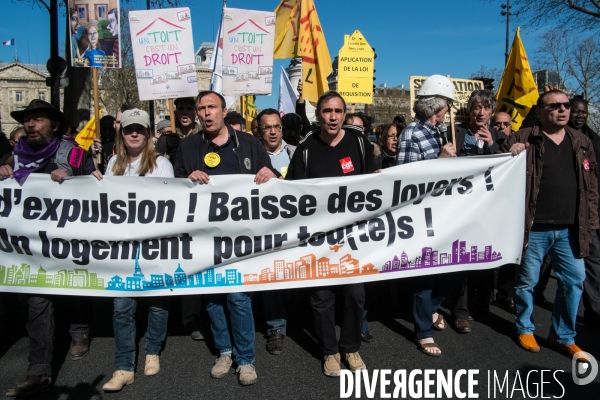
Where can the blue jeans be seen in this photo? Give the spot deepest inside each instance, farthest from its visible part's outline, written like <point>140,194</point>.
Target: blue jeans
<point>562,244</point>
<point>125,330</point>
<point>274,308</point>
<point>429,292</point>
<point>237,307</point>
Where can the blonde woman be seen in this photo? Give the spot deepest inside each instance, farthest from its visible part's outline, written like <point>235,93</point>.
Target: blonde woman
<point>135,156</point>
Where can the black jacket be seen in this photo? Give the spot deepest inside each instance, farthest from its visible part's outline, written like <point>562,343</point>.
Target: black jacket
<point>192,149</point>
<point>595,138</point>
<point>367,160</point>
<point>461,131</point>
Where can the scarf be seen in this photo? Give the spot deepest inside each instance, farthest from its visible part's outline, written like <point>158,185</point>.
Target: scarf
<point>27,160</point>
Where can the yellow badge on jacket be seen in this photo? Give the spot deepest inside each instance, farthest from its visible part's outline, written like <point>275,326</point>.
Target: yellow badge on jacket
<point>212,159</point>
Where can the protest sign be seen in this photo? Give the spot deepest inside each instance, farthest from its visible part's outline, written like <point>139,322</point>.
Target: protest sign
<point>463,87</point>
<point>132,236</point>
<point>163,53</point>
<point>95,33</point>
<point>356,63</point>
<point>248,51</point>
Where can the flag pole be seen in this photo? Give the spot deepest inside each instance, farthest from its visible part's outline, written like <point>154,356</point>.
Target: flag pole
<point>216,50</point>
<point>16,56</point>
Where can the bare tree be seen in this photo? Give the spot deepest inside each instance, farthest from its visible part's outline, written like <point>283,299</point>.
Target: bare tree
<point>580,14</point>
<point>119,85</point>
<point>584,67</point>
<point>554,52</point>
<point>491,73</point>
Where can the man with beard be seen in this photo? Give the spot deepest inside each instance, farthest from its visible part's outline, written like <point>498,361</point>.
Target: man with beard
<point>591,285</point>
<point>43,151</point>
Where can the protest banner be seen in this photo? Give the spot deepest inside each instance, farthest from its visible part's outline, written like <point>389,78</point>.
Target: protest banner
<point>463,87</point>
<point>85,137</point>
<point>95,33</point>
<point>163,53</point>
<point>126,236</point>
<point>248,39</point>
<point>356,65</point>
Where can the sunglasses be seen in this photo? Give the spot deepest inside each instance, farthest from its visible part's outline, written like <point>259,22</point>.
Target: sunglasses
<point>556,106</point>
<point>502,123</point>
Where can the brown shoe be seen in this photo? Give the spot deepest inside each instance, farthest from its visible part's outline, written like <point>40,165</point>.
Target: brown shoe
<point>80,349</point>
<point>152,364</point>
<point>355,362</point>
<point>528,342</point>
<point>275,343</point>
<point>221,367</point>
<point>34,384</point>
<point>246,374</point>
<point>119,379</point>
<point>331,366</point>
<point>568,349</point>
<point>462,325</point>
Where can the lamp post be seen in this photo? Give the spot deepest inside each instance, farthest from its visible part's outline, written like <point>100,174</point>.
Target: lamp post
<point>506,12</point>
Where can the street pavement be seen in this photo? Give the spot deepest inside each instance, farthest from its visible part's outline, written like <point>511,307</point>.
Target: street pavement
<point>297,372</point>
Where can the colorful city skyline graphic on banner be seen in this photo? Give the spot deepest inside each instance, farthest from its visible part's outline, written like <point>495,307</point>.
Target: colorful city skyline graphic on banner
<point>307,267</point>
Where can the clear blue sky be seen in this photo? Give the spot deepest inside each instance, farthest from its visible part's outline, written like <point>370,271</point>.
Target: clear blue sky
<point>410,37</point>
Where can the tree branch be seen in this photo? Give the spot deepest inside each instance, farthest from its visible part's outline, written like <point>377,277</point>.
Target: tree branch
<point>584,10</point>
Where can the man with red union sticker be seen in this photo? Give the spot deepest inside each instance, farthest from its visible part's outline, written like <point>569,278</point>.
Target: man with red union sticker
<point>331,151</point>
<point>561,214</point>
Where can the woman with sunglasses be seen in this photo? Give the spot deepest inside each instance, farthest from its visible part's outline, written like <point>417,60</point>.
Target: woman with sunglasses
<point>388,141</point>
<point>135,156</point>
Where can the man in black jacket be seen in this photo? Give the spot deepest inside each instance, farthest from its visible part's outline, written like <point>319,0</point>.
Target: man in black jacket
<point>333,151</point>
<point>591,285</point>
<point>220,150</point>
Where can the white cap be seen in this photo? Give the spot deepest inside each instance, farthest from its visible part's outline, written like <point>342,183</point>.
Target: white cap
<point>135,116</point>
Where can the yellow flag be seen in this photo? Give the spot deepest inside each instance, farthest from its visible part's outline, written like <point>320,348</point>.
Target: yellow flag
<point>517,92</point>
<point>298,33</point>
<point>86,136</point>
<point>249,111</point>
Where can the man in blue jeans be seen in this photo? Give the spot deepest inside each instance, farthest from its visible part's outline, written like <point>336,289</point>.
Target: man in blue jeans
<point>218,149</point>
<point>561,212</point>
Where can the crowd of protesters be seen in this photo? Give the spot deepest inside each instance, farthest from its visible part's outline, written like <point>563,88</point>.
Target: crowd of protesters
<point>561,227</point>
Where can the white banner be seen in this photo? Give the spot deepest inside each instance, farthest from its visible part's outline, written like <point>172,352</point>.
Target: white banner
<point>132,236</point>
<point>163,53</point>
<point>248,40</point>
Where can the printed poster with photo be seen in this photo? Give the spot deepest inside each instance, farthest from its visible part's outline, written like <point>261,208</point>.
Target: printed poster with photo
<point>248,42</point>
<point>95,33</point>
<point>163,53</point>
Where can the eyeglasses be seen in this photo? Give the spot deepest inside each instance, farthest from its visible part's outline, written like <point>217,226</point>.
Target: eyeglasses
<point>502,123</point>
<point>556,106</point>
<point>277,128</point>
<point>392,137</point>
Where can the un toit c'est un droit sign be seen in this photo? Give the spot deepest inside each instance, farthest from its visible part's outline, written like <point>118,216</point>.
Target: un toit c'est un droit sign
<point>132,236</point>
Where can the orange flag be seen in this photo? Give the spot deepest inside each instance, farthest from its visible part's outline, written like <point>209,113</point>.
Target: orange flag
<point>298,33</point>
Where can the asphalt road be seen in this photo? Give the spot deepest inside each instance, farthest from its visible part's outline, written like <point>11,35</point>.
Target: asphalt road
<point>296,373</point>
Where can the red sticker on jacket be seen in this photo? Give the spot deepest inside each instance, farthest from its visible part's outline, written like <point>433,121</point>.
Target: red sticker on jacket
<point>586,165</point>
<point>76,156</point>
<point>347,165</point>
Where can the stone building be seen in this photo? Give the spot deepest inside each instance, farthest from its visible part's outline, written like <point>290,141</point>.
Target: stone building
<point>19,84</point>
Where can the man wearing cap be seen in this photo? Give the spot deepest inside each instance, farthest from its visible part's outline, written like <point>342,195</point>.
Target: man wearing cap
<point>220,150</point>
<point>42,151</point>
<point>185,123</point>
<point>236,121</point>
